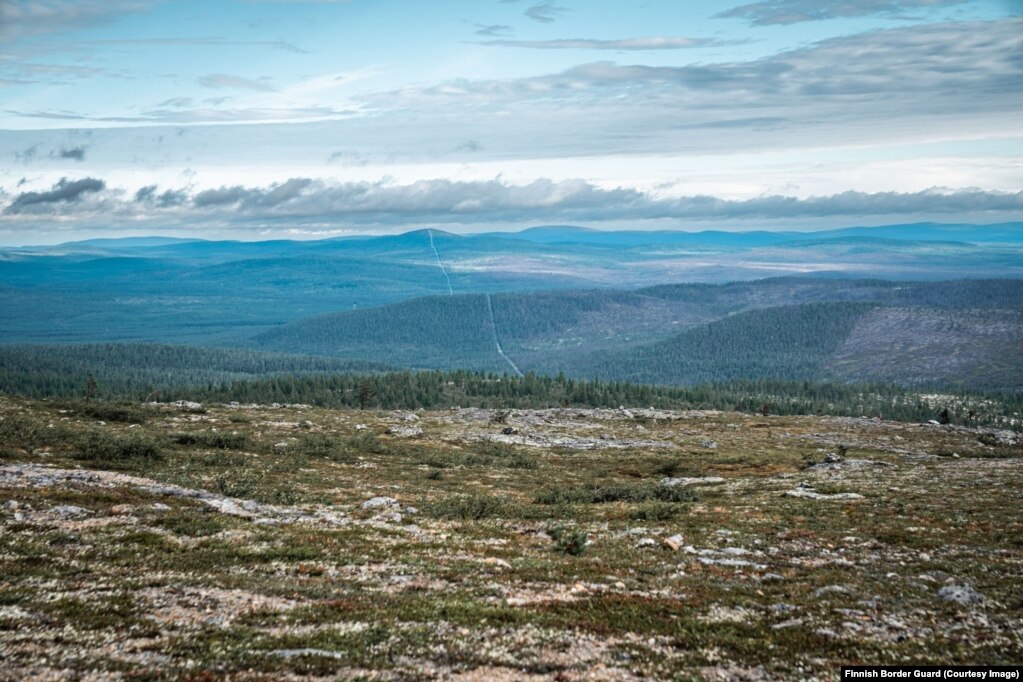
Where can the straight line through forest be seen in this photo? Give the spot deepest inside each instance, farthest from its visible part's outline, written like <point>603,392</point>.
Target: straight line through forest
<point>493,329</point>
<point>440,263</point>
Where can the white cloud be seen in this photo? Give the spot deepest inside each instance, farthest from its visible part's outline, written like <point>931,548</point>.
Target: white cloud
<point>21,18</point>
<point>772,12</point>
<point>304,201</point>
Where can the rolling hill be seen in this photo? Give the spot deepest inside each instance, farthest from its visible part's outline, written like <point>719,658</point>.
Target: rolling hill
<point>162,290</point>
<point>686,334</point>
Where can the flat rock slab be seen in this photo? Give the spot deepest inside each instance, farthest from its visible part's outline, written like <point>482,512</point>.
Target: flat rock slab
<point>685,482</point>
<point>405,431</point>
<point>574,443</point>
<point>808,494</point>
<point>838,464</point>
<point>37,476</point>
<point>380,503</point>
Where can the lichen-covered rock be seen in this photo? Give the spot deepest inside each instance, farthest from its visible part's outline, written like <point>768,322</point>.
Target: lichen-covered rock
<point>69,511</point>
<point>675,542</point>
<point>405,431</point>
<point>960,594</point>
<point>810,494</point>
<point>684,482</point>
<point>380,503</point>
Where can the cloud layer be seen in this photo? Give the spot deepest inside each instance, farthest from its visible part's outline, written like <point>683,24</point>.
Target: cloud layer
<point>304,200</point>
<point>20,18</point>
<point>63,193</point>
<point>933,79</point>
<point>773,12</point>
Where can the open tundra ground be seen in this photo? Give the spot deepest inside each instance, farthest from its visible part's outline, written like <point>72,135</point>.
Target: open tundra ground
<point>258,543</point>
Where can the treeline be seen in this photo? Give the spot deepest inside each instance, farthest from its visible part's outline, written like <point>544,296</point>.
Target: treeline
<point>439,390</point>
<point>139,372</point>
<point>135,371</point>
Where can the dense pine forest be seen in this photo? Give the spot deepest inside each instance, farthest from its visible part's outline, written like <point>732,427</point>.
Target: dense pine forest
<point>961,333</point>
<point>785,342</point>
<point>135,373</point>
<point>434,390</point>
<point>140,370</point>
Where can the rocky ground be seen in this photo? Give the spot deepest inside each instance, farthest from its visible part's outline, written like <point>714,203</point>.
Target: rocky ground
<point>264,543</point>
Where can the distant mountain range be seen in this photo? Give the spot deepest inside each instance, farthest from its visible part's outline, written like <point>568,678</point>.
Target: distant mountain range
<point>917,304</point>
<point>560,234</point>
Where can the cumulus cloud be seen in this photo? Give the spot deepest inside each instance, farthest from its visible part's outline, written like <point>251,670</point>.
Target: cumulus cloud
<point>309,201</point>
<point>63,192</point>
<point>652,43</point>
<point>250,198</point>
<point>773,12</point>
<point>151,196</point>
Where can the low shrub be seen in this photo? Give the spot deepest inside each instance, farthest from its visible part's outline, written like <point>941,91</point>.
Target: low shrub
<point>485,455</point>
<point>218,440</point>
<point>474,507</point>
<point>568,539</point>
<point>126,413</point>
<point>603,494</point>
<point>115,447</point>
<point>657,511</point>
<point>366,443</point>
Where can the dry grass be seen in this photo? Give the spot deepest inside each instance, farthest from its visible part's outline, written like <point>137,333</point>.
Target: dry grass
<point>155,582</point>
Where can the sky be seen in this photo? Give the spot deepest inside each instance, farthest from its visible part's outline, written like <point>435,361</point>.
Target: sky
<point>256,119</point>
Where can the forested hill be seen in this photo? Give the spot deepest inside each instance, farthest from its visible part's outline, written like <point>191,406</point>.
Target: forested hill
<point>223,293</point>
<point>965,332</point>
<point>785,342</point>
<point>459,331</point>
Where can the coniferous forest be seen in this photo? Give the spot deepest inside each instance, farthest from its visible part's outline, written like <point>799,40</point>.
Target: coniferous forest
<point>134,373</point>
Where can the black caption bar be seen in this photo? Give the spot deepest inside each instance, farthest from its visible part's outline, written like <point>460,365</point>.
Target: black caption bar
<point>932,672</point>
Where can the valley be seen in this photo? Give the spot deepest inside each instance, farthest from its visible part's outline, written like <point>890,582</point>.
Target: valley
<point>589,304</point>
<point>225,293</point>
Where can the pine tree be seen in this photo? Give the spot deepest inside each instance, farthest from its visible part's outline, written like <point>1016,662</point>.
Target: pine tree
<point>91,389</point>
<point>365,394</point>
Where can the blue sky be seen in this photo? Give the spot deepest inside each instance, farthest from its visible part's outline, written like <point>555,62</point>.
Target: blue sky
<point>258,118</point>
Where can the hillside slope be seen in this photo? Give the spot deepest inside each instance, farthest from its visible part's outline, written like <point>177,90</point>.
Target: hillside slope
<point>435,332</point>
<point>224,292</point>
<point>966,348</point>
<point>784,342</point>
<point>782,328</point>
